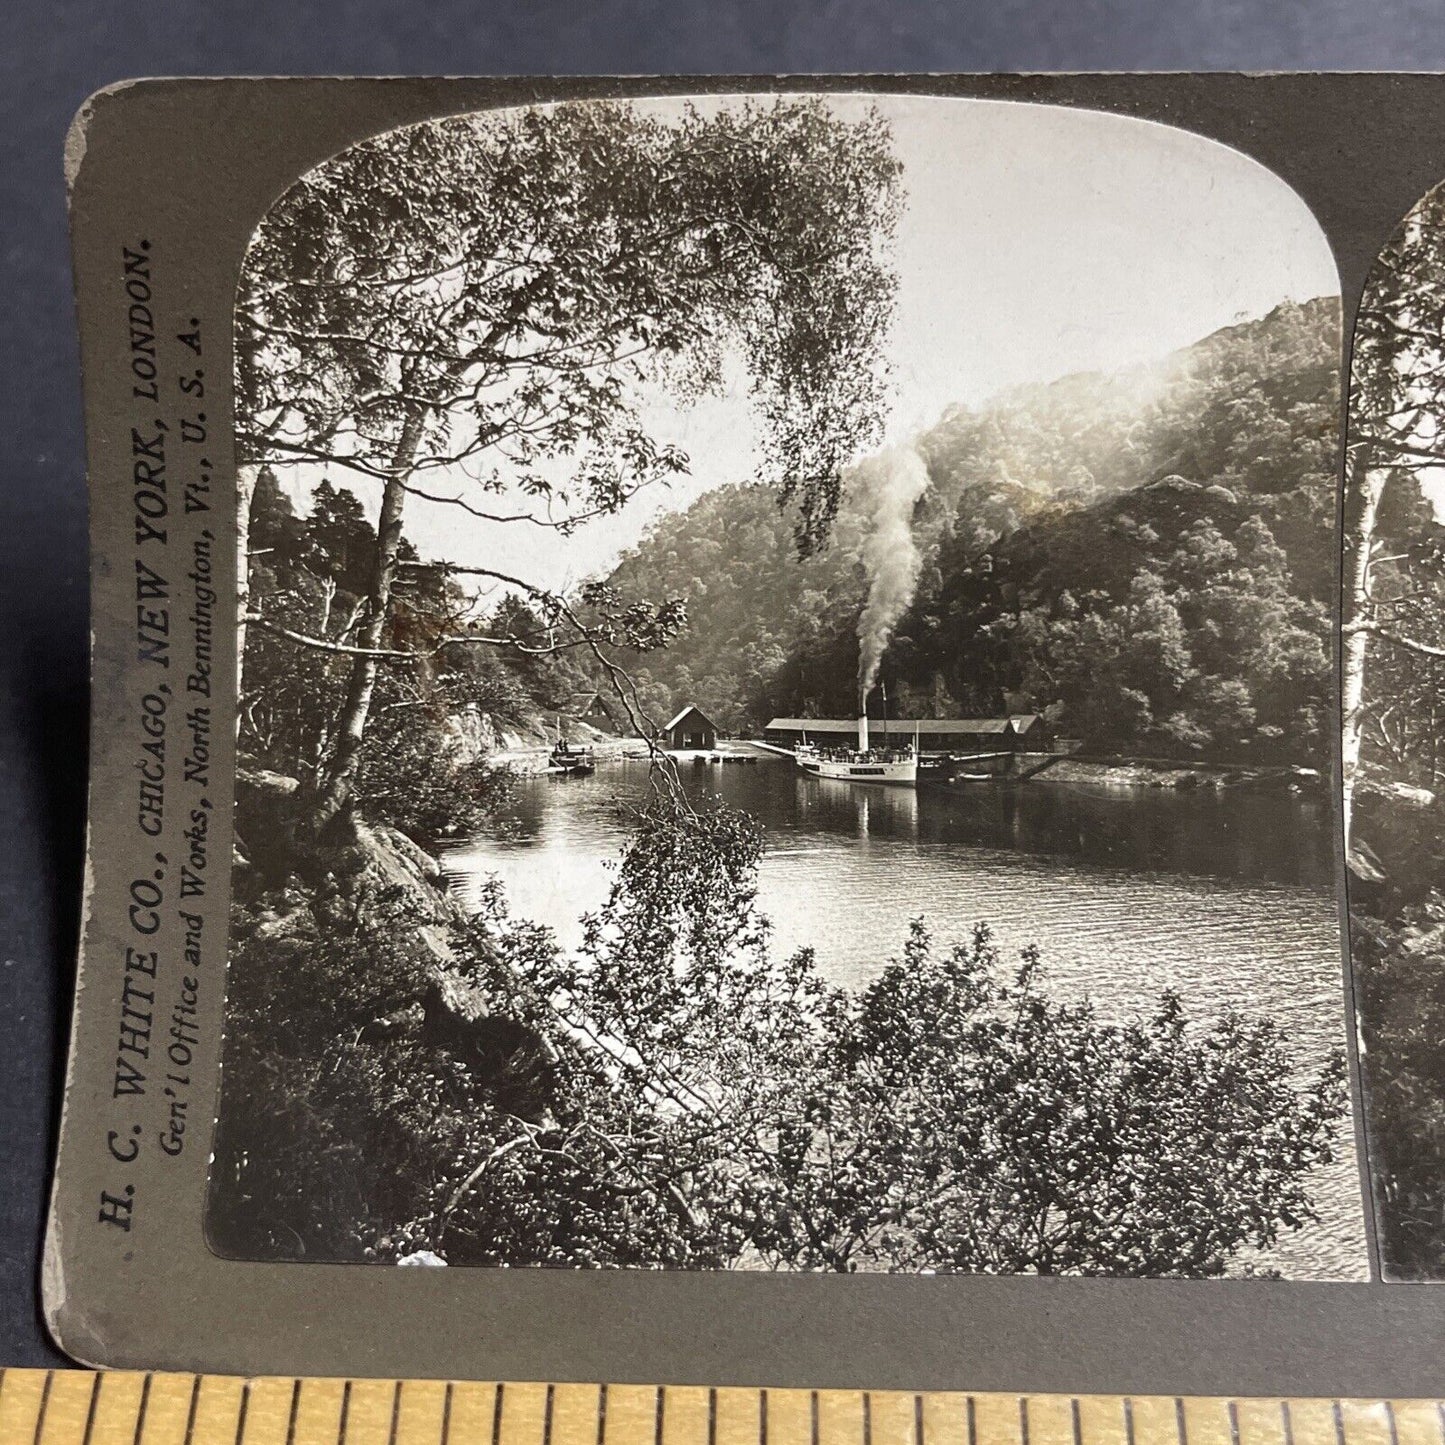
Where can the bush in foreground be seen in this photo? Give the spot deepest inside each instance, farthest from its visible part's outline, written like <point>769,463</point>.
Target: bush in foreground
<point>710,1105</point>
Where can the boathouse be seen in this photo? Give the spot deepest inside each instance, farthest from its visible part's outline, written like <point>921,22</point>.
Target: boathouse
<point>590,708</point>
<point>690,731</point>
<point>1016,733</point>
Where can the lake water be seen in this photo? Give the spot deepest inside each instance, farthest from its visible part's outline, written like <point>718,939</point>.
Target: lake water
<point>1227,897</point>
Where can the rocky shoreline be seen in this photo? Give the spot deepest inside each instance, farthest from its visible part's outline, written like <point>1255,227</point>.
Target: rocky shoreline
<point>1181,775</point>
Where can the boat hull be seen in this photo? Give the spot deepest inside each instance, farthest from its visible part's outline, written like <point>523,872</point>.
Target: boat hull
<point>902,773</point>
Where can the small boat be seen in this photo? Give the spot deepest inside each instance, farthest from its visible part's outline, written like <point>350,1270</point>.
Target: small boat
<point>572,762</point>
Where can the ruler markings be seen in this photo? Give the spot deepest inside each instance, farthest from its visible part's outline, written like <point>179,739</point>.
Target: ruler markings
<point>685,1417</point>
<point>422,1419</point>
<point>473,1413</point>
<point>945,1419</point>
<point>195,1400</point>
<point>1367,1422</point>
<point>368,1415</point>
<point>291,1418</point>
<point>19,1402</point>
<point>785,1417</point>
<point>47,1407</point>
<point>44,1404</point>
<point>997,1420</point>
<point>140,1414</point>
<point>1259,1422</point>
<point>395,1415</point>
<point>68,1407</point>
<point>634,1415</point>
<point>241,1415</point>
<point>1050,1419</point>
<point>316,1418</point>
<point>523,1419</point>
<point>840,1416</point>
<point>571,1414</point>
<point>120,1401</point>
<point>1100,1420</point>
<point>737,1421</point>
<point>90,1410</point>
<point>890,1415</point>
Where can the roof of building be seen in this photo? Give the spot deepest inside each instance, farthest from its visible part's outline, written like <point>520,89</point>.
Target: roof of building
<point>580,702</point>
<point>964,726</point>
<point>668,727</point>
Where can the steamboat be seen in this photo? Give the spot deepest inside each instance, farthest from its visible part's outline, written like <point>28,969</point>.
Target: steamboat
<point>863,764</point>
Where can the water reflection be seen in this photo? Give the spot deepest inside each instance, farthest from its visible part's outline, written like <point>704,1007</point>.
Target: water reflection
<point>1227,897</point>
<point>824,804</point>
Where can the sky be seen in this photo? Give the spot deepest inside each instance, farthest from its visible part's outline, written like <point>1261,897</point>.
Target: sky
<point>1034,241</point>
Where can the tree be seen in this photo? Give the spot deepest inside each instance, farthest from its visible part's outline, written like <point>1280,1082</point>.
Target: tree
<point>1397,400</point>
<point>1393,652</point>
<point>478,305</point>
<point>713,1105</point>
<point>960,1119</point>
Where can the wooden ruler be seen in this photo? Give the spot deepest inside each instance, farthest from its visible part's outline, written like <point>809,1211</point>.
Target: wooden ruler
<point>77,1407</point>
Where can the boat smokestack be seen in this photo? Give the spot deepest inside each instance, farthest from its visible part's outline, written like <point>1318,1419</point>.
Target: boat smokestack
<point>863,722</point>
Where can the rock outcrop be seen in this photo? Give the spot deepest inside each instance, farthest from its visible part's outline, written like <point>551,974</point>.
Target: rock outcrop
<point>367,879</point>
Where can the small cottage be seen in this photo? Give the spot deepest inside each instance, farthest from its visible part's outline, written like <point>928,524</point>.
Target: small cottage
<point>590,708</point>
<point>690,731</point>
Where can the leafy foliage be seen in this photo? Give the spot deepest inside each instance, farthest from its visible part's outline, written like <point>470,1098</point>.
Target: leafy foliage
<point>487,302</point>
<point>1394,698</point>
<point>713,1106</point>
<point>1147,558</point>
<point>415,773</point>
<point>510,277</point>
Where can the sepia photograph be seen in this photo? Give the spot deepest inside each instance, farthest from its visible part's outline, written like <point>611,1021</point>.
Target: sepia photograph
<point>787,703</point>
<point>1393,683</point>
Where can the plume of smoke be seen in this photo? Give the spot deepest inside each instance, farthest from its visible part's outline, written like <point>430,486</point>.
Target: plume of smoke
<point>887,485</point>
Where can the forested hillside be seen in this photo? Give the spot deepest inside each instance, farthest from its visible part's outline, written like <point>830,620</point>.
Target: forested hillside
<point>1147,557</point>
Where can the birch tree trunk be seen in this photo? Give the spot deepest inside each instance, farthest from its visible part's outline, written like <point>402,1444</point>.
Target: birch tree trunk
<point>1362,502</point>
<point>246,477</point>
<point>338,774</point>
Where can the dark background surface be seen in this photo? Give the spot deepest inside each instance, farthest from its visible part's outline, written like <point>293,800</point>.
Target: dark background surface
<point>52,55</point>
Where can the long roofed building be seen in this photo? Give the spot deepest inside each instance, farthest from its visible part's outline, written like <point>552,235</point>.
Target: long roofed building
<point>1017,732</point>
